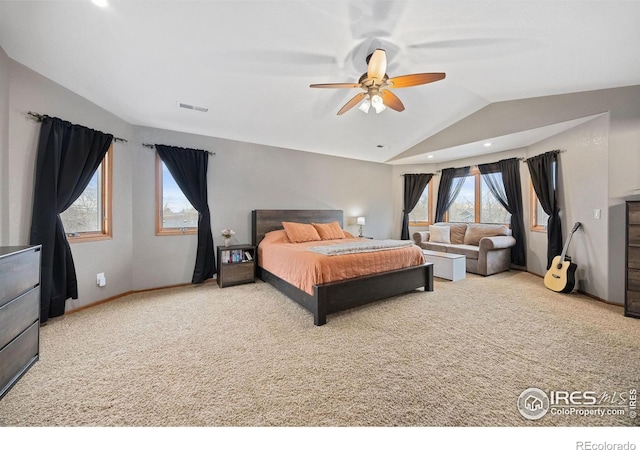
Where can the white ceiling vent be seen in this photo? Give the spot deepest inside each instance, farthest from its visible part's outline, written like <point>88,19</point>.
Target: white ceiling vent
<point>195,108</point>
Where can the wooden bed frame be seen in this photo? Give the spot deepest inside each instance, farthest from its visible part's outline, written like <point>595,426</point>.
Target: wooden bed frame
<point>340,295</point>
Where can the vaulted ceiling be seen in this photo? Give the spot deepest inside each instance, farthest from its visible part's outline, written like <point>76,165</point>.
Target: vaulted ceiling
<point>250,63</point>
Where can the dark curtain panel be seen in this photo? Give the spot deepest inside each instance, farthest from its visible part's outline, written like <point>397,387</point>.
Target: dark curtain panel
<point>544,180</point>
<point>68,156</point>
<point>414,184</point>
<point>448,191</point>
<point>189,168</point>
<point>509,194</point>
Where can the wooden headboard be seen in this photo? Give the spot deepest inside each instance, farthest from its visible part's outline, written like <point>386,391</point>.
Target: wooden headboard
<point>266,220</point>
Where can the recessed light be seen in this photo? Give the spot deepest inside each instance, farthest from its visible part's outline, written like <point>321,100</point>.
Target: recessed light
<point>100,3</point>
<point>487,144</point>
<point>430,156</point>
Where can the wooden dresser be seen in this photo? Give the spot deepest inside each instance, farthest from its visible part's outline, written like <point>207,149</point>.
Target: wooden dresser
<point>632,293</point>
<point>19,312</point>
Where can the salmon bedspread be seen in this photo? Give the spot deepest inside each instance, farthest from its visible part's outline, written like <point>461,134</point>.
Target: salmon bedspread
<point>298,266</point>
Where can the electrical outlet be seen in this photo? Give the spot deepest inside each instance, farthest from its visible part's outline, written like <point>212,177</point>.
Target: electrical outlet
<point>101,279</point>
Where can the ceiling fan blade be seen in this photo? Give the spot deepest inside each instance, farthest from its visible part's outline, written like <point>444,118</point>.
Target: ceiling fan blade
<point>351,103</point>
<point>391,100</point>
<point>377,64</point>
<point>335,85</point>
<point>414,79</point>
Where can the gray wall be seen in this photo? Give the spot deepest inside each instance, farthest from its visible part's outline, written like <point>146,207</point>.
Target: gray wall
<point>582,185</point>
<point>584,155</point>
<point>4,145</point>
<point>243,177</point>
<point>30,91</point>
<point>585,180</point>
<point>600,168</point>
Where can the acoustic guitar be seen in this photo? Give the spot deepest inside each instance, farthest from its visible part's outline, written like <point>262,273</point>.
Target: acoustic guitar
<point>561,275</point>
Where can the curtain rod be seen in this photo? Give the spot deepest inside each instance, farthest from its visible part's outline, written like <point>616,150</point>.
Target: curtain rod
<point>476,165</point>
<point>153,146</point>
<point>40,117</point>
<point>552,151</point>
<point>405,174</point>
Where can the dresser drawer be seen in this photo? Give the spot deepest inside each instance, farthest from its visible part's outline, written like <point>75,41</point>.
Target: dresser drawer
<point>238,273</point>
<point>633,210</point>
<point>18,314</point>
<point>633,255</point>
<point>18,356</point>
<point>632,305</point>
<point>19,273</point>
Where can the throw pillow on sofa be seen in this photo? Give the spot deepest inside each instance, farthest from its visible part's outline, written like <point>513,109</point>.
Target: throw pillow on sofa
<point>476,231</point>
<point>456,231</point>
<point>439,234</point>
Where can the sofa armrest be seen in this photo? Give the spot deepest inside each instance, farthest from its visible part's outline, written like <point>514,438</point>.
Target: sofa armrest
<point>420,237</point>
<point>496,242</point>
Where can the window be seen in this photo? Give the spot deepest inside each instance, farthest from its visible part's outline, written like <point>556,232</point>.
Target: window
<point>174,213</point>
<point>475,203</point>
<point>421,214</point>
<point>89,217</point>
<point>539,218</point>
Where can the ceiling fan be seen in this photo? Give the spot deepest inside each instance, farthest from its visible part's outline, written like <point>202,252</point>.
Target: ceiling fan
<point>376,83</point>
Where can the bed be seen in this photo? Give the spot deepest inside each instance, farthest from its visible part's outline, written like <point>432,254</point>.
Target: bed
<point>330,297</point>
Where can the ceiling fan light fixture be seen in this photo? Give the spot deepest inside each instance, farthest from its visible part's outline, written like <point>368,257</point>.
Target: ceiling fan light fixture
<point>375,83</point>
<point>365,105</point>
<point>377,103</point>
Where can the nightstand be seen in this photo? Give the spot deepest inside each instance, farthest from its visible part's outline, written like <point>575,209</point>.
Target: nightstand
<point>236,265</point>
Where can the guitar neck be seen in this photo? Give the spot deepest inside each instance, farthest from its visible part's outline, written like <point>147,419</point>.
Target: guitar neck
<point>566,244</point>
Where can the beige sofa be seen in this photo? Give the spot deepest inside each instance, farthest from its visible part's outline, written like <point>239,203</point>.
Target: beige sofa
<point>487,248</point>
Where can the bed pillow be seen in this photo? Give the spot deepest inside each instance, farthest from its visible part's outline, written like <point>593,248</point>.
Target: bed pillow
<point>275,237</point>
<point>300,232</point>
<point>329,230</point>
<point>439,234</point>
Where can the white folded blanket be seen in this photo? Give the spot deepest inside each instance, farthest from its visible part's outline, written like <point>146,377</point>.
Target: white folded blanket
<point>370,245</point>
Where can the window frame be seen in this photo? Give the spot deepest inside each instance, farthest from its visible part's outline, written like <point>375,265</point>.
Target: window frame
<point>160,230</point>
<point>533,210</point>
<point>534,202</point>
<point>106,178</point>
<point>422,223</point>
<point>475,172</point>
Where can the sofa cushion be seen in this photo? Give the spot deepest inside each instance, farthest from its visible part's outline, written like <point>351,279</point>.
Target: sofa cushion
<point>439,234</point>
<point>435,246</point>
<point>476,231</point>
<point>457,230</point>
<point>469,251</point>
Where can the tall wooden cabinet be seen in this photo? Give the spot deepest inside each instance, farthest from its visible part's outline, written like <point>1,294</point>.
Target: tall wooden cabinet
<point>632,297</point>
<point>19,313</point>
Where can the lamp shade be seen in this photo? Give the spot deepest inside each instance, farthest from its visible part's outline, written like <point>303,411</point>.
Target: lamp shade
<point>360,221</point>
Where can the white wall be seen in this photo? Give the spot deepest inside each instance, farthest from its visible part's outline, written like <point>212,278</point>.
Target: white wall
<point>243,177</point>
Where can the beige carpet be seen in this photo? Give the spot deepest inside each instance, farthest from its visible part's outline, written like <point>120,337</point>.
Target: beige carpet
<point>249,356</point>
